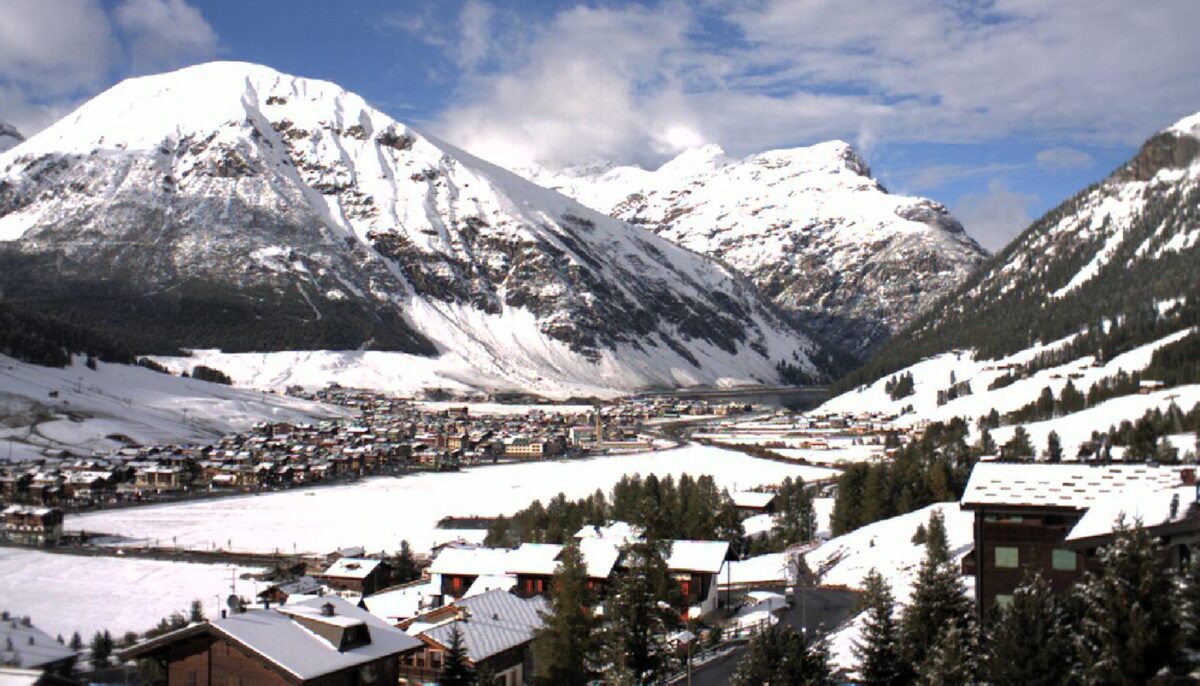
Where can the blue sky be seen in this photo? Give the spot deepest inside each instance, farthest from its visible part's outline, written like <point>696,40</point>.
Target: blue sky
<point>999,109</point>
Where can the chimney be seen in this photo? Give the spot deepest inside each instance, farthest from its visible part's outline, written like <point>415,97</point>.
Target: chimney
<point>266,603</point>
<point>327,610</point>
<point>223,615</point>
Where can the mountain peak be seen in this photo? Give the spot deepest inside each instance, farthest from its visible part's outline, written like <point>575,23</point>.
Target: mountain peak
<point>1188,126</point>
<point>696,160</point>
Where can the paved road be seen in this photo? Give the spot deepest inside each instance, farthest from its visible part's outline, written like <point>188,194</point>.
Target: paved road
<point>822,609</point>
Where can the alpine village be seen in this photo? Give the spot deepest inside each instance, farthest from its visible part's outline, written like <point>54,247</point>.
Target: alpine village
<point>576,345</point>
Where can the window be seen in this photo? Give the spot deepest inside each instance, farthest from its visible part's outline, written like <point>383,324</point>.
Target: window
<point>1064,560</point>
<point>1007,558</point>
<point>435,659</point>
<point>1003,600</point>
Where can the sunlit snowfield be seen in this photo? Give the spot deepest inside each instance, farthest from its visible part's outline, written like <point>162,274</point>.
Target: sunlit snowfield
<point>66,593</point>
<point>379,513</point>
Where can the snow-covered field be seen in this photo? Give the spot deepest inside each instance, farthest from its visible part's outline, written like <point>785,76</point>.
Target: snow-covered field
<point>146,406</point>
<point>67,593</point>
<point>379,513</point>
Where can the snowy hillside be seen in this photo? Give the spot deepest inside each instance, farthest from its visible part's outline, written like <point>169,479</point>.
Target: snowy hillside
<point>1095,289</point>
<point>9,137</point>
<point>47,409</point>
<point>809,226</point>
<point>230,206</point>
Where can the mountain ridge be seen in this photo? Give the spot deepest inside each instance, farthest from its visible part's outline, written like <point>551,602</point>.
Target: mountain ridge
<point>809,226</point>
<point>277,210</point>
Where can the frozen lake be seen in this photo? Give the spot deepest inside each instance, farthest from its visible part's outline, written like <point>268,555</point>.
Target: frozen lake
<point>379,513</point>
<point>66,593</point>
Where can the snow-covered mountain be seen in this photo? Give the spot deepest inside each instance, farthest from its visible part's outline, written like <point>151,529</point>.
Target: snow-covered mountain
<point>810,226</point>
<point>230,206</point>
<point>1104,287</point>
<point>9,137</point>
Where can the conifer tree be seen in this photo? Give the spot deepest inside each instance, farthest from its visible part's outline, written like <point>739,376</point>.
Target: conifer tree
<point>101,648</point>
<point>456,671</point>
<point>641,610</point>
<point>76,642</point>
<point>1130,631</point>
<point>1030,642</point>
<point>938,601</point>
<point>1018,447</point>
<point>1054,451</point>
<point>404,565</point>
<point>781,656</point>
<point>196,612</point>
<point>878,650</point>
<point>951,660</point>
<point>937,543</point>
<point>564,648</point>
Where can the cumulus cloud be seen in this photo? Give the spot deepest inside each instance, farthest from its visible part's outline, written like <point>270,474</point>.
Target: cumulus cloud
<point>54,53</point>
<point>996,217</point>
<point>610,81</point>
<point>1064,158</point>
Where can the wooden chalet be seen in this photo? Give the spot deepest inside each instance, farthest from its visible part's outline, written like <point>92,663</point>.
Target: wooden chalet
<point>1025,513</point>
<point>318,641</point>
<point>360,575</point>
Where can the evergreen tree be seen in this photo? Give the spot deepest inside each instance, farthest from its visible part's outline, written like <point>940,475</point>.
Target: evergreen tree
<point>76,643</point>
<point>938,601</point>
<point>101,648</point>
<point>564,648</point>
<point>642,608</point>
<point>456,671</point>
<point>196,612</point>
<point>1130,632</point>
<point>795,517</point>
<point>951,661</point>
<point>404,564</point>
<point>937,543</point>
<point>780,656</point>
<point>1189,610</point>
<point>1054,451</point>
<point>1018,447</point>
<point>878,650</point>
<point>1030,642</point>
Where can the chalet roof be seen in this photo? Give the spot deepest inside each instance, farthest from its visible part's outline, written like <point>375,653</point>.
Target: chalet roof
<point>352,568</point>
<point>533,558</point>
<point>29,647</point>
<point>697,556</point>
<point>285,642</point>
<point>496,621</point>
<point>751,499</point>
<point>1152,507</point>
<point>470,561</point>
<point>1075,486</point>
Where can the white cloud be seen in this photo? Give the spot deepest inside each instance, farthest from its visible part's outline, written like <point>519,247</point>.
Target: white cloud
<point>54,53</point>
<point>996,217</point>
<point>611,81</point>
<point>1064,158</point>
<point>164,33</point>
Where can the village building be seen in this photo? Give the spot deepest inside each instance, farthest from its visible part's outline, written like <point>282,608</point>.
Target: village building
<point>497,631</point>
<point>33,525</point>
<point>280,593</point>
<point>318,641</point>
<point>359,575</point>
<point>750,503</point>
<point>1025,514</point>
<point>28,652</point>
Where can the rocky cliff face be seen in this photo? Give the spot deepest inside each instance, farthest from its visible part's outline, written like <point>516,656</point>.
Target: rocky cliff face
<point>809,226</point>
<point>228,205</point>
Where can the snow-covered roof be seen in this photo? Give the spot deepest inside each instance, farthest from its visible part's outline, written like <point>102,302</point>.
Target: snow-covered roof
<point>1153,508</point>
<point>28,647</point>
<point>285,642</point>
<point>496,621</point>
<point>697,556</point>
<point>751,499</point>
<point>600,556</point>
<point>488,582</point>
<point>1060,485</point>
<point>401,603</point>
<point>352,568</point>
<point>621,532</point>
<point>533,558</point>
<point>471,561</point>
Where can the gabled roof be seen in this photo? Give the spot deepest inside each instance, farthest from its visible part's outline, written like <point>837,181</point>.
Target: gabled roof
<point>697,556</point>
<point>1151,508</point>
<point>28,647</point>
<point>352,568</point>
<point>289,645</point>
<point>470,561</point>
<point>751,499</point>
<point>496,621</point>
<point>1074,486</point>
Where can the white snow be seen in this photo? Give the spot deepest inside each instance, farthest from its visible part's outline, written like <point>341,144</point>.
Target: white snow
<point>383,511</point>
<point>146,406</point>
<point>68,593</point>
